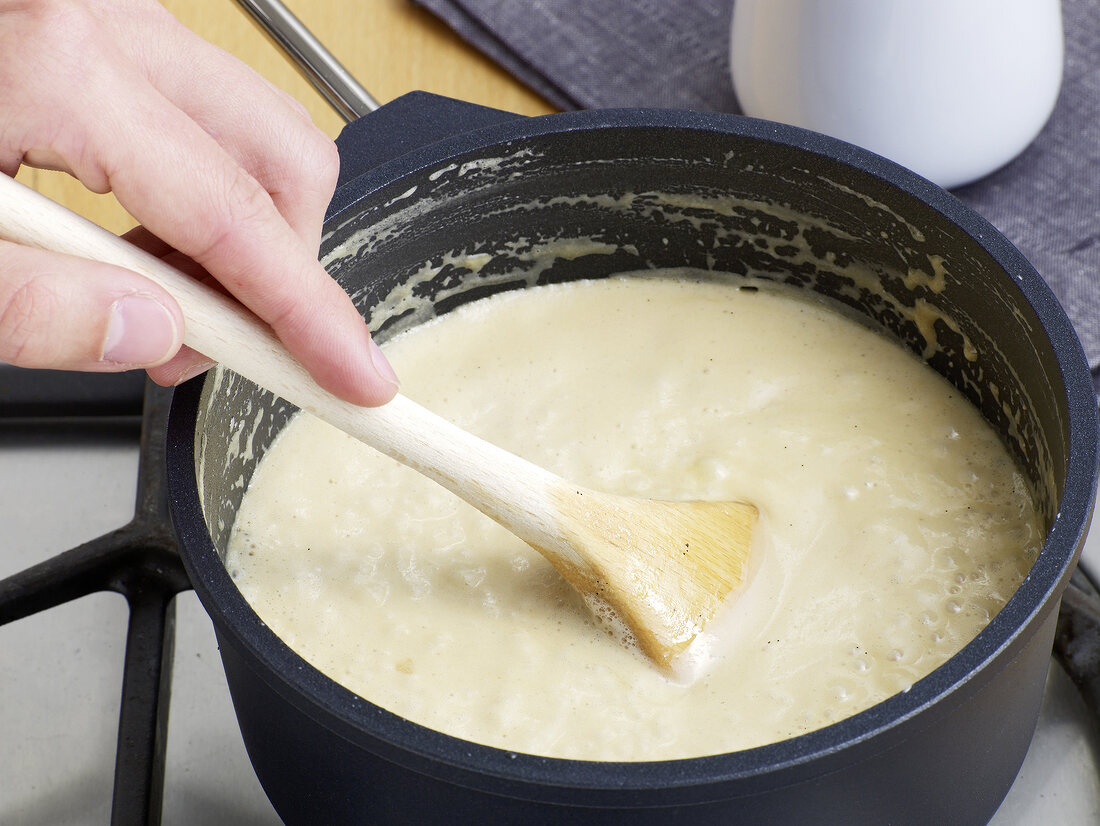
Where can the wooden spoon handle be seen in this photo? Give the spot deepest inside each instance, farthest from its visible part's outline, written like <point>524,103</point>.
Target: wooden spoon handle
<point>496,482</point>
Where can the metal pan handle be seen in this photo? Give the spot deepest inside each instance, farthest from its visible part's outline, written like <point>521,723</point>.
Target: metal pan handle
<point>316,63</point>
<point>410,121</point>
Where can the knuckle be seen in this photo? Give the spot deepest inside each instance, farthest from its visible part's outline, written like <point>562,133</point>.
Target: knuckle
<point>238,204</point>
<point>65,24</point>
<point>296,106</point>
<point>325,159</point>
<point>309,162</point>
<point>68,24</point>
<point>246,200</point>
<point>44,123</point>
<point>42,13</point>
<point>24,311</point>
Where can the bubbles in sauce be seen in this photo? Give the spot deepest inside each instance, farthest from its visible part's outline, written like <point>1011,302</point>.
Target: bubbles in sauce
<point>894,525</point>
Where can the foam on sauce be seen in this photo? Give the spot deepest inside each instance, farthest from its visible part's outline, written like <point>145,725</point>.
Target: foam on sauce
<point>894,524</point>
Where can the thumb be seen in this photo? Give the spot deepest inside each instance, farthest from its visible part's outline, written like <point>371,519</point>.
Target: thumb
<point>66,313</point>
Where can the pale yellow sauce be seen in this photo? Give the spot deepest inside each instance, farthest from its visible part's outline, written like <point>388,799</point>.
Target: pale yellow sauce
<point>893,523</point>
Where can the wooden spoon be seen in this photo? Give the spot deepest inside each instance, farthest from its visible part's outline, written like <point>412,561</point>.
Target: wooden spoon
<point>657,570</point>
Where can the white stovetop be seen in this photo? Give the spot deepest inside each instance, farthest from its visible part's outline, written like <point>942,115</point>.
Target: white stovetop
<point>60,678</point>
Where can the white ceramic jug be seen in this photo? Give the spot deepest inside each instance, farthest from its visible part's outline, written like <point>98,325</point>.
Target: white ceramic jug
<point>953,89</point>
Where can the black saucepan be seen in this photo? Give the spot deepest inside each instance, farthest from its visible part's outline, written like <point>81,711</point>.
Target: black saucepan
<point>426,178</point>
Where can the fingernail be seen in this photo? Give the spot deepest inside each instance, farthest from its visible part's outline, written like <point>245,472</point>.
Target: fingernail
<point>382,365</point>
<point>140,332</point>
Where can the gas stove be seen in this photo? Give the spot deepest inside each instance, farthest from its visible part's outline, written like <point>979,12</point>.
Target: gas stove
<point>112,636</point>
<point>113,704</point>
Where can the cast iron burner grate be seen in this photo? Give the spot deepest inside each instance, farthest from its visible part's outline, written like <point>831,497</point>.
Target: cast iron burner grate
<point>141,562</point>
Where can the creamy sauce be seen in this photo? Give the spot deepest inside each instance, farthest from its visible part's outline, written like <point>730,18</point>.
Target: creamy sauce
<point>894,524</point>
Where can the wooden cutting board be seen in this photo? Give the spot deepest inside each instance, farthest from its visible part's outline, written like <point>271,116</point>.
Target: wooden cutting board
<point>390,46</point>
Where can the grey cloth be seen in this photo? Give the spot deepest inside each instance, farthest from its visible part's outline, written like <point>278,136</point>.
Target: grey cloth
<point>1047,200</point>
<point>675,54</point>
<point>587,54</point>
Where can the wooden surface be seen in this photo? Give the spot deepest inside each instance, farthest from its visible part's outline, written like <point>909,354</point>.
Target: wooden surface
<point>389,46</point>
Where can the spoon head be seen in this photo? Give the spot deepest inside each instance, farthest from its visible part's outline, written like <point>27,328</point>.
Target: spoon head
<point>655,571</point>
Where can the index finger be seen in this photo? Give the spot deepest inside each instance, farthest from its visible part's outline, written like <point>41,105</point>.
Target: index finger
<point>186,189</point>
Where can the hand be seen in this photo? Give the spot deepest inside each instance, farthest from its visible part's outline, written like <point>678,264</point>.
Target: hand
<point>226,173</point>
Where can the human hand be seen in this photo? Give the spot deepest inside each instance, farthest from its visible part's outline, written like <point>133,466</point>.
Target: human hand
<point>226,173</point>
